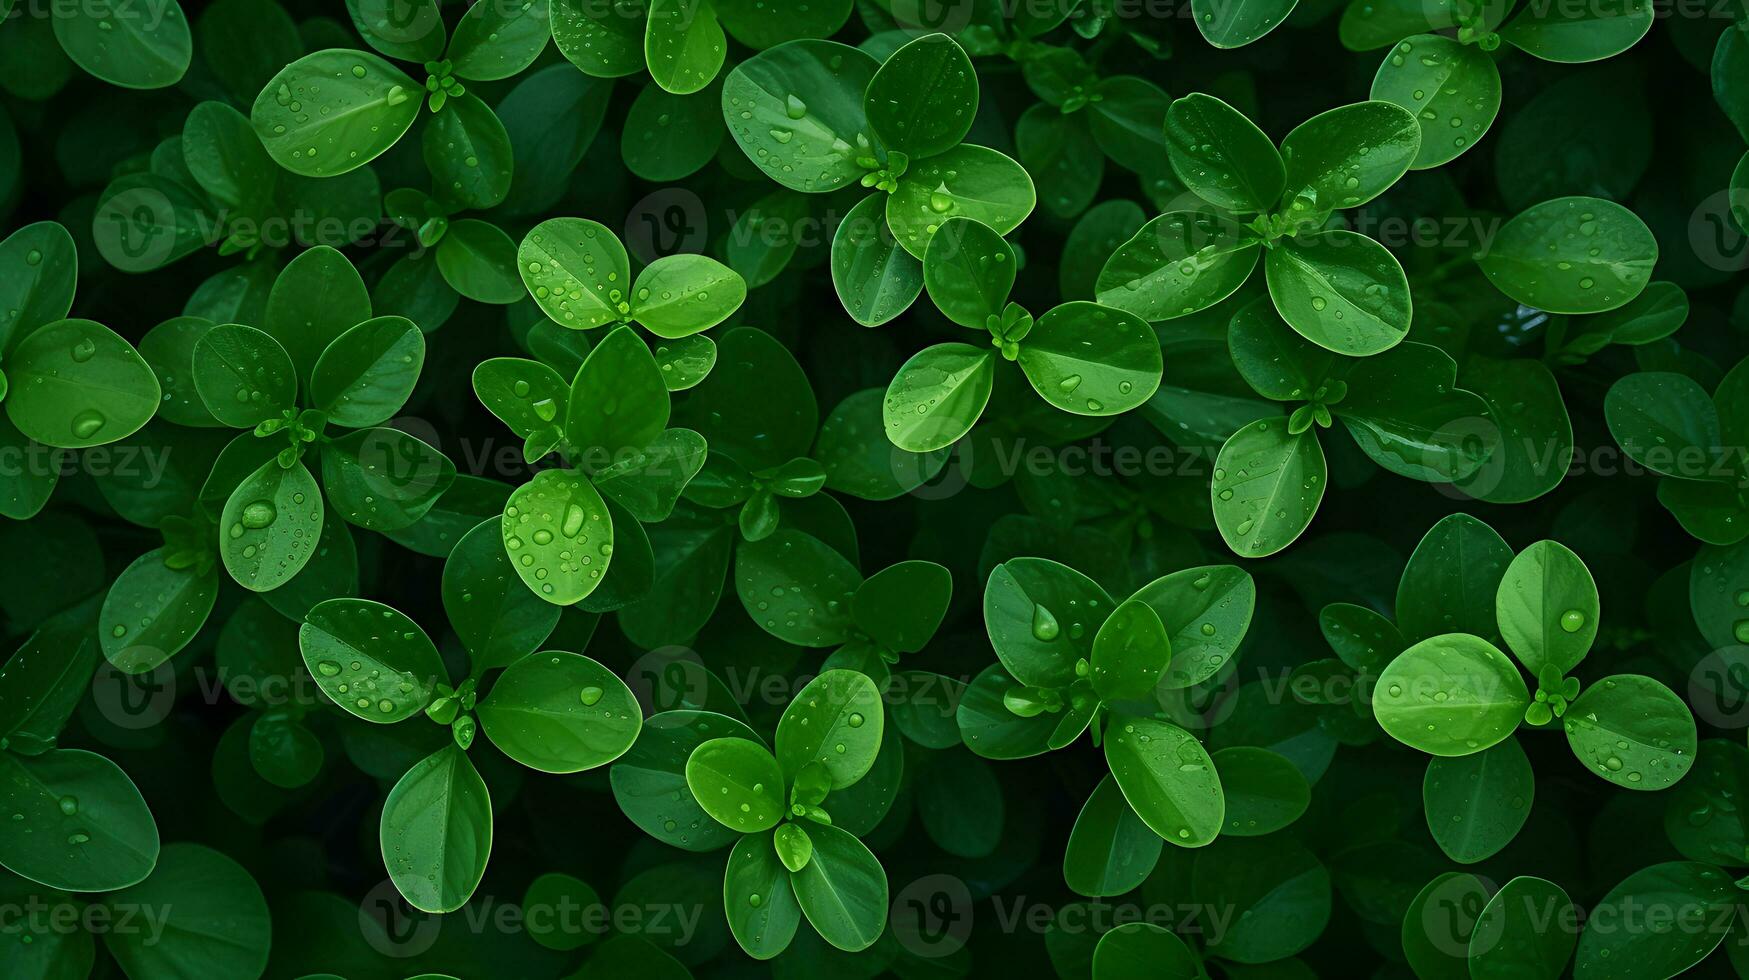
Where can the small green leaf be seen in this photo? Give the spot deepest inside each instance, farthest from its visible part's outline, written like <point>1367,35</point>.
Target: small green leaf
<point>560,712</point>
<point>738,783</point>
<point>437,831</point>
<point>1450,695</point>
<point>370,659</point>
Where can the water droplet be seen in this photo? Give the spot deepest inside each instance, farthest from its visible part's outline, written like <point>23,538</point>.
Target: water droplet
<point>1044,624</point>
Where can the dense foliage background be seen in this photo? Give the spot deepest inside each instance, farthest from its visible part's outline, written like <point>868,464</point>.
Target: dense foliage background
<point>1157,488</point>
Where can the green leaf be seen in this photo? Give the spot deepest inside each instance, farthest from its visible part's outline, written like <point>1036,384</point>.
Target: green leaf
<point>1279,893</point>
<point>370,659</point>
<point>560,712</point>
<point>1536,435</point>
<point>969,271</point>
<point>82,826</point>
<point>1088,359</point>
<point>1065,164</point>
<point>1128,122</point>
<point>670,137</point>
<point>738,783</point>
<point>1476,804</point>
<point>367,373</point>
<point>1144,951</point>
<point>1267,486</point>
<point>243,375</point>
<point>937,396</point>
<point>1168,777</point>
<point>270,525</point>
<point>1512,939</point>
<point>686,362</point>
<point>1452,580</point>
<point>227,160</point>
<point>1699,894</point>
<point>559,535</point>
<point>1177,264</point>
<point>1698,829</point>
<point>1730,65</point>
<point>876,280</point>
<point>526,395</point>
<point>215,920</point>
<point>410,30</point>
<point>1665,422</point>
<point>843,890</point>
<point>1206,611</point>
<point>1547,607</point>
<point>437,831</point>
<point>1571,255</point>
<point>577,271</point>
<point>284,752</point>
<point>1452,88</point>
<point>967,181</point>
<point>922,100</point>
<point>41,269</point>
<point>478,261</point>
<point>153,610</point>
<point>618,401</point>
<point>1340,290</point>
<point>1554,32</point>
<point>1632,731</point>
<point>498,40</point>
<point>1450,695</point>
<point>127,46</point>
<point>683,44</point>
<point>498,619</point>
<point>649,483</point>
<point>834,720</point>
<point>1221,155</point>
<point>604,40</point>
<point>1438,923</point>
<point>383,479</point>
<point>797,109</point>
<point>468,152</point>
<point>1042,617</point>
<point>76,384</point>
<point>797,588</point>
<point>990,729</point>
<point>861,461</point>
<point>333,111</point>
<point>1110,849</point>
<point>679,295</point>
<point>1264,792</point>
<point>761,25</point>
<point>1236,25</point>
<point>901,606</point>
<point>649,780</point>
<point>1439,438</point>
<point>317,297</point>
<point>760,905</point>
<point>757,407</point>
<point>1347,156</point>
<point>1130,652</point>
